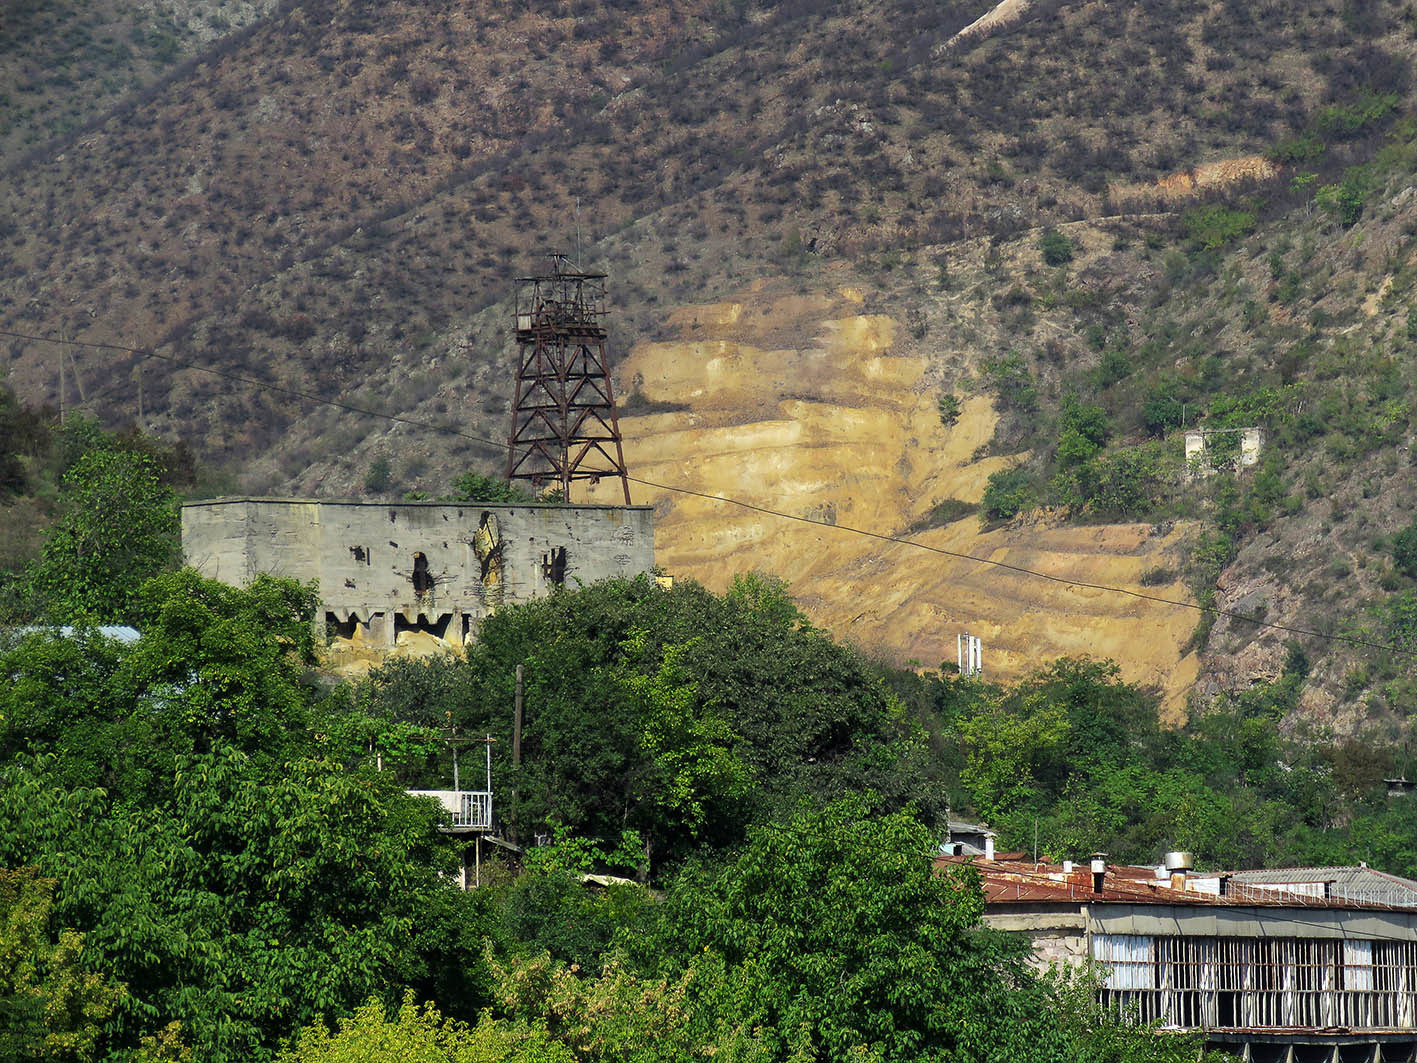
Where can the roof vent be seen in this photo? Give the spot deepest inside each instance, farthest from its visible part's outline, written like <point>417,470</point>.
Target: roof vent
<point>1179,861</point>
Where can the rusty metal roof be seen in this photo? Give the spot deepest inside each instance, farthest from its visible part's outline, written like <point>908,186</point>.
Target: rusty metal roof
<point>1020,882</point>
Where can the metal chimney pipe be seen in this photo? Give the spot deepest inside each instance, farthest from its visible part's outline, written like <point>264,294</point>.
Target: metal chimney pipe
<point>1099,871</point>
<point>988,847</point>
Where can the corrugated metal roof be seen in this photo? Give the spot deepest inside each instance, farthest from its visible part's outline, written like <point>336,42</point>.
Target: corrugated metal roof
<point>1365,877</point>
<point>959,826</point>
<point>1010,882</point>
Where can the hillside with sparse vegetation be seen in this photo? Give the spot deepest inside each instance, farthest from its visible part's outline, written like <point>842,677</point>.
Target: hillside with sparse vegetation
<point>1116,222</point>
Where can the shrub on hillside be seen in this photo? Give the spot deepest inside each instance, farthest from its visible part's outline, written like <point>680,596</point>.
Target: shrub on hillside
<point>1215,226</point>
<point>1008,493</point>
<point>1404,550</point>
<point>1082,432</point>
<point>1057,249</point>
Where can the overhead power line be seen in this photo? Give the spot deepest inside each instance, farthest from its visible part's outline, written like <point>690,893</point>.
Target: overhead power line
<point>446,429</point>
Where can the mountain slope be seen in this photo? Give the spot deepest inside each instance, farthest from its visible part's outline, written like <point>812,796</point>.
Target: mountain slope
<point>335,198</point>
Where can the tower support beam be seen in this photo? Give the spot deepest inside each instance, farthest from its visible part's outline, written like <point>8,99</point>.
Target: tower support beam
<point>564,423</point>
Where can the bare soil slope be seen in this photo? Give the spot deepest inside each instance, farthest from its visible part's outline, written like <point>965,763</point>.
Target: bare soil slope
<point>805,405</point>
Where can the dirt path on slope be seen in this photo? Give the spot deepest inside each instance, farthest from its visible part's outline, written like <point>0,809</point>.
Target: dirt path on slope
<point>999,15</point>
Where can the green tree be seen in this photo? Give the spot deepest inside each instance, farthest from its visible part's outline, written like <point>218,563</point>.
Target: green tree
<point>476,487</point>
<point>380,478</point>
<point>838,939</point>
<point>1082,431</point>
<point>1008,493</point>
<point>118,525</point>
<point>422,1035</point>
<point>949,406</point>
<point>693,769</point>
<point>1404,550</point>
<point>1057,249</point>
<point>244,901</point>
<point>51,1006</point>
<point>235,870</point>
<point>1212,227</point>
<point>1345,199</point>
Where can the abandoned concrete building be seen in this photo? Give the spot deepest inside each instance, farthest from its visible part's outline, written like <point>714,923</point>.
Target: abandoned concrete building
<point>1268,974</point>
<point>433,567</point>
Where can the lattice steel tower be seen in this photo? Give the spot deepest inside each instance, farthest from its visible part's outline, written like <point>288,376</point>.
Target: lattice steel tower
<point>564,424</point>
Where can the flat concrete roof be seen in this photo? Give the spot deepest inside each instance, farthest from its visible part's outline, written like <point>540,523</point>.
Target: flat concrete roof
<point>229,499</point>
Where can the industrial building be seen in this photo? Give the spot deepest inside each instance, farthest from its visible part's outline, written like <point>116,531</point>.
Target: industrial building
<point>1271,975</point>
<point>433,567</point>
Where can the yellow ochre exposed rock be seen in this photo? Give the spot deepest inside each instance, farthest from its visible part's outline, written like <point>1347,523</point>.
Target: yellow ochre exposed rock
<point>801,404</point>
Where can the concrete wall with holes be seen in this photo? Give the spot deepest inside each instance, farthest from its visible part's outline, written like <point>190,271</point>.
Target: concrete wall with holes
<point>1200,445</point>
<point>425,566</point>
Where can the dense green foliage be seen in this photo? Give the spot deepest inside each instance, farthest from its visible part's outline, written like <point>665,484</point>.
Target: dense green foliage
<point>829,936</point>
<point>1075,758</point>
<point>50,1006</point>
<point>478,487</point>
<point>107,501</point>
<point>227,852</point>
<point>216,858</point>
<point>677,714</point>
<point>1057,249</point>
<point>118,526</point>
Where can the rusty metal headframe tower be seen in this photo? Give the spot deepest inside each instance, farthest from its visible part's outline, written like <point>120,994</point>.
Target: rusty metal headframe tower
<point>564,424</point>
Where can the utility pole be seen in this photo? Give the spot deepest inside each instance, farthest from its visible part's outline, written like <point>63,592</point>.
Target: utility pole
<point>516,747</point>
<point>78,380</point>
<point>517,722</point>
<point>61,377</point>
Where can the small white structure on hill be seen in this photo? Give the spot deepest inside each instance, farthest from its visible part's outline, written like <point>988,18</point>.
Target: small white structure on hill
<point>1201,459</point>
<point>971,654</point>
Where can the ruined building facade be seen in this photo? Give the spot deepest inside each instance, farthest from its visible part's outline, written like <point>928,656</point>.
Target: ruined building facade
<point>425,566</point>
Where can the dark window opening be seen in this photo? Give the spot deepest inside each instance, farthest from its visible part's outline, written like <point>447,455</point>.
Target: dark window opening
<point>360,554</point>
<point>335,628</point>
<point>422,579</point>
<point>437,628</point>
<point>1227,1009</point>
<point>553,565</point>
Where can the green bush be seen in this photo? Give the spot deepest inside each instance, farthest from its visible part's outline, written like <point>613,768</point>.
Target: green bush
<point>1008,493</point>
<point>1215,226</point>
<point>949,410</point>
<point>1115,365</point>
<point>1082,432</point>
<point>1162,409</point>
<point>1008,377</point>
<point>475,487</point>
<point>1126,484</point>
<point>1345,199</point>
<point>1404,550</point>
<point>380,477</point>
<point>1057,249</point>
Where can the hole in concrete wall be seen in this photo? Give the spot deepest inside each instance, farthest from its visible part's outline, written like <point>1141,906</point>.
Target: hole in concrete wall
<point>361,554</point>
<point>553,565</point>
<point>422,579</point>
<point>437,628</point>
<point>335,628</point>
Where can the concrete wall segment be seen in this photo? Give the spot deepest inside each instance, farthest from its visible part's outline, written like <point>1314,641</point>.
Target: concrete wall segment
<point>417,561</point>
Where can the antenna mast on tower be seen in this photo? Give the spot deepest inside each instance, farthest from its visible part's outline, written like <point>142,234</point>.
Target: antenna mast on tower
<point>564,424</point>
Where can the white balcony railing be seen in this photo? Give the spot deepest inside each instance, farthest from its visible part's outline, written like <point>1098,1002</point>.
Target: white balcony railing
<point>465,809</point>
